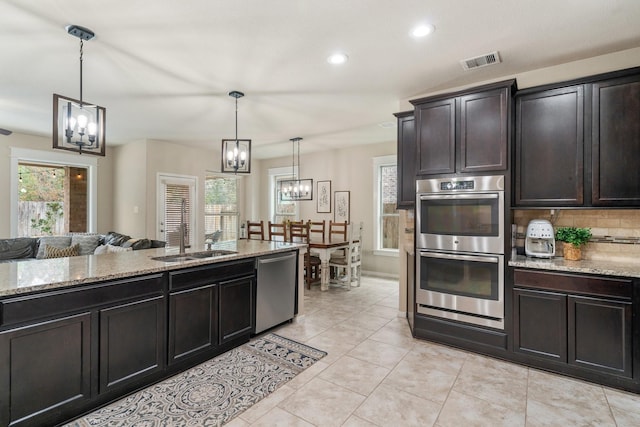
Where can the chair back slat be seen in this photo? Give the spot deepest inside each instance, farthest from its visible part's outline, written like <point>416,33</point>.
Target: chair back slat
<point>337,231</point>
<point>298,232</point>
<point>317,230</point>
<point>255,228</point>
<point>277,231</point>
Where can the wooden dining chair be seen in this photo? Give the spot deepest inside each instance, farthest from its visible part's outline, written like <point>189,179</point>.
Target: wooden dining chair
<point>277,231</point>
<point>347,269</point>
<point>299,233</point>
<point>255,229</point>
<point>317,229</point>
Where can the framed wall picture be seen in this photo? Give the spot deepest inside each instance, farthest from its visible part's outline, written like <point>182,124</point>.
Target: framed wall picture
<point>324,197</point>
<point>341,206</point>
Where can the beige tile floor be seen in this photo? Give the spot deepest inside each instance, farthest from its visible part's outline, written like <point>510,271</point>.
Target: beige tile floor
<point>376,374</point>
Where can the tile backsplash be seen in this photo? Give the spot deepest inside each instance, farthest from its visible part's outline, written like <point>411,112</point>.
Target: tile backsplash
<point>616,232</point>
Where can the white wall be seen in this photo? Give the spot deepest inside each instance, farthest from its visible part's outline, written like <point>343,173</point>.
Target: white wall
<point>105,172</point>
<point>348,169</point>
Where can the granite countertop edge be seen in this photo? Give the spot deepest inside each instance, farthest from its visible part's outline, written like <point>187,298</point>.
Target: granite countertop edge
<point>34,276</point>
<point>599,267</point>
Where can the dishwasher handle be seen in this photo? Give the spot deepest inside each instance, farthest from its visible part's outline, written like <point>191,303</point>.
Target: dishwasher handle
<point>275,259</point>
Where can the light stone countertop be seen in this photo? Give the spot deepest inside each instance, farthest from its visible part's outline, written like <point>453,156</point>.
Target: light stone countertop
<point>38,275</point>
<point>601,267</point>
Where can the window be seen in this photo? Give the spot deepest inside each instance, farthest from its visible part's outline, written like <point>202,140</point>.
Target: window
<point>52,193</point>
<point>385,198</point>
<point>281,211</point>
<point>220,208</point>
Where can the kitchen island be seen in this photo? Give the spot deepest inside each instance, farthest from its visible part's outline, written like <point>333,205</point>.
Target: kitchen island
<point>79,332</point>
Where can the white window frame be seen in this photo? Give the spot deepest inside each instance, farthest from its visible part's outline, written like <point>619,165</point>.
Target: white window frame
<point>390,160</point>
<point>274,173</point>
<point>25,155</point>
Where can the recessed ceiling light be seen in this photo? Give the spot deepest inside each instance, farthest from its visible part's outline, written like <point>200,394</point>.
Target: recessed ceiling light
<point>423,30</point>
<point>337,58</point>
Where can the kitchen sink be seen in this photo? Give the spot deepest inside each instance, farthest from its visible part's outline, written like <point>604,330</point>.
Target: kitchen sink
<point>193,256</point>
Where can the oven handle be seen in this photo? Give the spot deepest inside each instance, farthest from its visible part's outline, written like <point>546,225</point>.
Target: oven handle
<point>477,258</point>
<point>459,196</point>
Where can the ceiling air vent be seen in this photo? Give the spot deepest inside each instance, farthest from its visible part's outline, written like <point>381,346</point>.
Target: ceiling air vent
<point>481,61</point>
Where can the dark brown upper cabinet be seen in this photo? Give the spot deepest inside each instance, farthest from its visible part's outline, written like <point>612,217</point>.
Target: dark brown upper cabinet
<point>615,139</point>
<point>407,154</point>
<point>578,143</point>
<point>464,132</point>
<point>549,147</point>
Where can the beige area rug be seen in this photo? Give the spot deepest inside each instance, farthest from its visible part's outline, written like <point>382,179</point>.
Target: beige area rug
<point>213,392</point>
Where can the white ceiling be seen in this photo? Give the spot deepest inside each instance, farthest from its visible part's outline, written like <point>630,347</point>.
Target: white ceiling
<point>163,68</point>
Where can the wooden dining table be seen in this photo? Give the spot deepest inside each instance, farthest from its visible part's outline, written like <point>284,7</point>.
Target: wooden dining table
<point>324,249</point>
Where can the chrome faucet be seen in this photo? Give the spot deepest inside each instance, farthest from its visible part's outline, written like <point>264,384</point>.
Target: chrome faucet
<point>183,226</point>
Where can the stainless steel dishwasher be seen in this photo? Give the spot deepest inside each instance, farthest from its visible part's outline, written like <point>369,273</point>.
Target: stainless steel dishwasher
<point>275,289</point>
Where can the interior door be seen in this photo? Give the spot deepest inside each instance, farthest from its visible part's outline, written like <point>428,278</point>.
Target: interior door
<point>171,191</point>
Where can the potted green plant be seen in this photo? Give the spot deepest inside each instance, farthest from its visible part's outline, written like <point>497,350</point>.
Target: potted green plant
<point>573,238</point>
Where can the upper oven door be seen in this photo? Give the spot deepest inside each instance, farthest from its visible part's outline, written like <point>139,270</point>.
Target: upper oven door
<point>470,222</point>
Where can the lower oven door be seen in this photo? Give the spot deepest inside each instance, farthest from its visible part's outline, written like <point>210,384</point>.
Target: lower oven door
<point>468,287</point>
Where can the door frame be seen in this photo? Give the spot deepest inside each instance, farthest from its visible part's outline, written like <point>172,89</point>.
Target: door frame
<point>167,178</point>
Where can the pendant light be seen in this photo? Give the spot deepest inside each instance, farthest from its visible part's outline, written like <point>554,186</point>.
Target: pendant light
<point>296,188</point>
<point>236,153</point>
<point>78,125</point>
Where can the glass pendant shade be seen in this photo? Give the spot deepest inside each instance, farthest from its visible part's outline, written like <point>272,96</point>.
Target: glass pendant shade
<point>236,154</point>
<point>78,127</point>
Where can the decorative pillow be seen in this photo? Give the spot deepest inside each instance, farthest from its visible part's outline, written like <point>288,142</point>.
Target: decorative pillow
<point>112,249</point>
<point>102,249</point>
<point>53,252</point>
<point>137,244</point>
<point>55,241</point>
<point>115,239</point>
<point>88,242</point>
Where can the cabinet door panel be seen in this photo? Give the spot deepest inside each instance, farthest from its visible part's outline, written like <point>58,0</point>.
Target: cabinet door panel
<point>45,370</point>
<point>600,332</point>
<point>549,148</point>
<point>236,308</point>
<point>483,131</point>
<point>132,342</point>
<point>616,142</point>
<point>540,320</point>
<point>407,155</point>
<point>436,137</point>
<point>193,321</point>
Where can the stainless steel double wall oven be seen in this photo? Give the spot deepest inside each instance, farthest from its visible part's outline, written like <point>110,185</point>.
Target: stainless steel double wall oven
<point>460,249</point>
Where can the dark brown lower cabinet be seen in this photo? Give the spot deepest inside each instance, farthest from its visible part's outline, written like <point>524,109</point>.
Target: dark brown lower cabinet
<point>132,342</point>
<point>581,321</point>
<point>600,332</point>
<point>193,321</point>
<point>236,309</point>
<point>540,324</point>
<point>45,370</point>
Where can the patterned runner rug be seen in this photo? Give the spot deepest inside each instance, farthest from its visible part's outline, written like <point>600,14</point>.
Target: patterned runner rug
<point>213,392</point>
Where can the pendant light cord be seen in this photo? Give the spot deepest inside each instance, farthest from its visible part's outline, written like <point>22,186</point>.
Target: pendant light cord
<point>81,54</point>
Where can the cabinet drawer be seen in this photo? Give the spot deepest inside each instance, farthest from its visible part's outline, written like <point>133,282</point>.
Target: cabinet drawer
<point>209,274</point>
<point>51,304</point>
<point>572,283</point>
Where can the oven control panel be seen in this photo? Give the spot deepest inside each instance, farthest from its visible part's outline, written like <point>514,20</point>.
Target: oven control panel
<point>457,185</point>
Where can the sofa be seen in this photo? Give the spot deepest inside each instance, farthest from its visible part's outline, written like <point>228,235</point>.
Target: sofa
<point>72,244</point>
